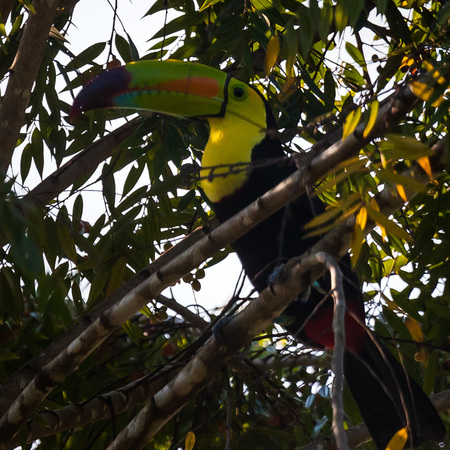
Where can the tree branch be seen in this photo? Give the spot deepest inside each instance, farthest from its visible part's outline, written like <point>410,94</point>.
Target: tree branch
<point>337,364</point>
<point>23,74</point>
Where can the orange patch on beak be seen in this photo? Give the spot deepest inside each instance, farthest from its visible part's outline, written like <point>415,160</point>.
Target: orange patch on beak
<point>200,86</point>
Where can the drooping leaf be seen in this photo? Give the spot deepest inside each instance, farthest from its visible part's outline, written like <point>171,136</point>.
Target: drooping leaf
<point>372,118</point>
<point>351,122</point>
<point>272,52</point>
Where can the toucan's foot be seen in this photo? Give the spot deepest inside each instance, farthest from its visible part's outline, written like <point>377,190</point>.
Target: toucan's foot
<point>275,277</point>
<point>219,332</point>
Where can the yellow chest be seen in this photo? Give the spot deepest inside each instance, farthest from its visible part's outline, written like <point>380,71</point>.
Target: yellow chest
<point>227,155</point>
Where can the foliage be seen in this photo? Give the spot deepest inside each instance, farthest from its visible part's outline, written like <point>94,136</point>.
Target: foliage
<point>323,67</point>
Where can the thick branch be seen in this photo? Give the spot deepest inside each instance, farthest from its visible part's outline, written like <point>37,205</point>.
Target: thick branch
<point>23,73</point>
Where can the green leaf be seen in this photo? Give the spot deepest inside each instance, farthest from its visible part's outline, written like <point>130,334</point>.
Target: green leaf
<point>272,52</point>
<point>117,276</point>
<point>356,54</point>
<point>372,118</point>
<point>290,46</point>
<point>133,49</point>
<point>390,226</point>
<point>67,242</point>
<point>209,3</point>
<point>16,25</point>
<point>37,150</point>
<point>132,178</point>
<point>25,162</point>
<point>186,200</point>
<point>86,57</point>
<point>124,48</point>
<point>407,182</point>
<point>403,147</point>
<point>183,22</point>
<point>351,122</point>
<point>109,186</point>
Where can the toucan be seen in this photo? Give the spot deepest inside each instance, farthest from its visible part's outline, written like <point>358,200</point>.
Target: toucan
<point>242,129</point>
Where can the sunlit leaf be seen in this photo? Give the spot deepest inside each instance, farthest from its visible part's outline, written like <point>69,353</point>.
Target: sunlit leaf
<point>397,179</point>
<point>357,240</point>
<point>209,3</point>
<point>414,329</point>
<point>361,218</point>
<point>422,90</point>
<point>189,442</point>
<point>403,147</point>
<point>387,225</point>
<point>272,52</point>
<point>401,192</point>
<point>399,439</point>
<point>351,122</point>
<point>372,118</point>
<point>424,162</point>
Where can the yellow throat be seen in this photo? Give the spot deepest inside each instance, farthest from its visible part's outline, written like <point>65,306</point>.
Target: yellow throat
<point>231,141</point>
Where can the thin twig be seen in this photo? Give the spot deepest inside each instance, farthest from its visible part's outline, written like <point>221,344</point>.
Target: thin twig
<point>337,363</point>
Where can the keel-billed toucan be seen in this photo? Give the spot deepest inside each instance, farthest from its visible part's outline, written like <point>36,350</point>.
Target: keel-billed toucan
<point>243,130</point>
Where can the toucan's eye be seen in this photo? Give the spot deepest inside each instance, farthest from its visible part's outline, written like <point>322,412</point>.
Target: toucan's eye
<point>238,92</point>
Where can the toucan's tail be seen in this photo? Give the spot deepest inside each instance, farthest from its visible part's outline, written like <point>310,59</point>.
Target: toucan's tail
<point>388,398</point>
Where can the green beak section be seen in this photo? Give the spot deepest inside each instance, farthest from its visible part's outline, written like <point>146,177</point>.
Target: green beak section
<point>171,87</point>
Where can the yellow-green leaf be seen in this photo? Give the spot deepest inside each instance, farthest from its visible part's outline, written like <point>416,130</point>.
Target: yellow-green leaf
<point>407,182</point>
<point>354,167</point>
<point>351,122</point>
<point>388,225</point>
<point>401,191</point>
<point>424,162</point>
<point>403,147</point>
<point>290,46</point>
<point>208,3</point>
<point>356,244</point>
<point>422,90</point>
<point>189,441</point>
<point>372,118</point>
<point>398,441</point>
<point>414,329</point>
<point>323,218</point>
<point>361,218</point>
<point>327,227</point>
<point>272,52</point>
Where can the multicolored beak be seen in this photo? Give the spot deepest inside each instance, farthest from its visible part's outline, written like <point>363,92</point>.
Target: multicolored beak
<point>171,87</point>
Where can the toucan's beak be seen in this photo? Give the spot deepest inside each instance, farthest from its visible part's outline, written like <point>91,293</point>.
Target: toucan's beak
<point>170,87</point>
